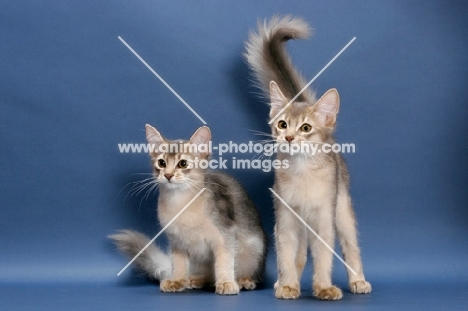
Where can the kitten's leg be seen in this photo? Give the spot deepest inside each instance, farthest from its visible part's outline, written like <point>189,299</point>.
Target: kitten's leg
<point>287,240</point>
<point>224,268</point>
<point>200,274</point>
<point>347,233</point>
<point>301,258</point>
<point>323,257</point>
<point>178,279</point>
<point>250,260</point>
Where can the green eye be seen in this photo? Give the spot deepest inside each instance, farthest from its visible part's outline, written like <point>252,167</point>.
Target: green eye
<point>282,124</point>
<point>182,164</point>
<point>161,163</point>
<point>306,128</point>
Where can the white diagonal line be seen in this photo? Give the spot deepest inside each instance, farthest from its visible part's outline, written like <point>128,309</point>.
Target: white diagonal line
<point>162,80</point>
<point>162,230</point>
<point>313,79</point>
<point>312,230</point>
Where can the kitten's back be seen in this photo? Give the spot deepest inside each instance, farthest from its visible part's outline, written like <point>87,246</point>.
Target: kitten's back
<point>232,203</point>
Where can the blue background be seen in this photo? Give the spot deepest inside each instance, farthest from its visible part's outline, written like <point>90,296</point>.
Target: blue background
<point>70,91</point>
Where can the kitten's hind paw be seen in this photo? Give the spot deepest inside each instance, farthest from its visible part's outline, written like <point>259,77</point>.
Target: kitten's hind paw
<point>196,283</point>
<point>287,292</point>
<point>172,286</point>
<point>360,287</point>
<point>227,288</point>
<point>328,293</point>
<point>246,283</point>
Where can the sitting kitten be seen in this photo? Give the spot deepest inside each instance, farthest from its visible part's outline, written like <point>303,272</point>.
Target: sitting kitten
<point>316,186</point>
<point>217,240</point>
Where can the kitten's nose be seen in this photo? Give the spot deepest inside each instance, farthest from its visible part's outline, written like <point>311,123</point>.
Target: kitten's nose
<point>168,176</point>
<point>289,138</point>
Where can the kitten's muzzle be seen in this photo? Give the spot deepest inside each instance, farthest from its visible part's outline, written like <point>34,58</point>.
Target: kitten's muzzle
<point>169,176</point>
<point>289,138</point>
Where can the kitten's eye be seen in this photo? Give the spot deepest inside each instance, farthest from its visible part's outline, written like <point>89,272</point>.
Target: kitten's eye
<point>182,164</point>
<point>306,127</point>
<point>282,124</point>
<point>161,163</point>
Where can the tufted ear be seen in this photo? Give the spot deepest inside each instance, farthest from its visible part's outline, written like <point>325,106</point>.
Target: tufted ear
<point>326,108</point>
<point>201,138</point>
<point>153,137</point>
<point>277,99</point>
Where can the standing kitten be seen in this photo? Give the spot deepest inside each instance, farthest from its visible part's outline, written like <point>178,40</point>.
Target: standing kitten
<point>217,240</point>
<point>316,186</point>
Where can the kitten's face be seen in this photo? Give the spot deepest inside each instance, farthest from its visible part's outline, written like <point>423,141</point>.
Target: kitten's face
<point>297,125</point>
<point>173,168</point>
<point>177,168</point>
<point>302,122</point>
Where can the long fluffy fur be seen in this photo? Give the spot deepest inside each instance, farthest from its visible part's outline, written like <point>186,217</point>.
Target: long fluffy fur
<point>218,241</point>
<point>267,57</point>
<point>153,262</point>
<point>316,186</point>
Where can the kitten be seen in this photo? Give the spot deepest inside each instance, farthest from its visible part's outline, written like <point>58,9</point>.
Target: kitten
<point>218,240</point>
<point>316,185</point>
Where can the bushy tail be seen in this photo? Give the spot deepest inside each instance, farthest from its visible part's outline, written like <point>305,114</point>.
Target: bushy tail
<point>153,262</point>
<point>267,57</point>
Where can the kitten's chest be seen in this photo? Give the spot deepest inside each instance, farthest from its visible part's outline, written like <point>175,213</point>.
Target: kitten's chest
<point>192,230</point>
<point>190,219</point>
<point>301,186</point>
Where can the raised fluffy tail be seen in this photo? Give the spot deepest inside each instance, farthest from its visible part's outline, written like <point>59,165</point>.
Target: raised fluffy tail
<point>267,57</point>
<point>153,262</point>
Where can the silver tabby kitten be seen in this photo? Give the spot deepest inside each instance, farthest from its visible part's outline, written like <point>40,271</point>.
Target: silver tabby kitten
<point>316,185</point>
<point>218,240</point>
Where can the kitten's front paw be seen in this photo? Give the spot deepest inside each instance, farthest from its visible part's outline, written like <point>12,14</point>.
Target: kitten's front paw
<point>360,287</point>
<point>227,288</point>
<point>287,291</point>
<point>328,293</point>
<point>246,283</point>
<point>196,283</point>
<point>172,286</point>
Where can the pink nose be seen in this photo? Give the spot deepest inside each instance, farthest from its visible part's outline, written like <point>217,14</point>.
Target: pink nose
<point>289,138</point>
<point>168,176</point>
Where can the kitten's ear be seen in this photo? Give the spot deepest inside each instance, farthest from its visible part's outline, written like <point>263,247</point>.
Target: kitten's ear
<point>326,108</point>
<point>278,100</point>
<point>153,136</point>
<point>202,138</point>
